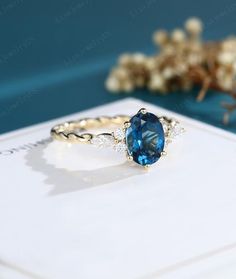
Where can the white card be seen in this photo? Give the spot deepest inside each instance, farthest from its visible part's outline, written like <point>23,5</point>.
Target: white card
<point>73,211</point>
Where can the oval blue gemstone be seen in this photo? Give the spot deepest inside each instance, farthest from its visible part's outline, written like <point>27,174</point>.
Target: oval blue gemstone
<point>145,138</point>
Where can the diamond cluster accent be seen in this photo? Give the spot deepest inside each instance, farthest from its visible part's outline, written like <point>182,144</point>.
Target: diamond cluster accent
<point>176,130</point>
<point>119,134</point>
<point>171,129</point>
<point>120,147</point>
<point>106,140</point>
<point>102,141</point>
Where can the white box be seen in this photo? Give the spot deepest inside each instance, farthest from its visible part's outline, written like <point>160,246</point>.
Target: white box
<point>72,211</point>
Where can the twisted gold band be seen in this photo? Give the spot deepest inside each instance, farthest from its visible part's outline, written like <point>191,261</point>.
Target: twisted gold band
<point>67,131</point>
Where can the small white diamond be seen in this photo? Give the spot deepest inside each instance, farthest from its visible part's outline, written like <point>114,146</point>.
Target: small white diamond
<point>176,130</point>
<point>164,125</point>
<point>120,147</point>
<point>119,134</point>
<point>96,141</point>
<point>102,141</point>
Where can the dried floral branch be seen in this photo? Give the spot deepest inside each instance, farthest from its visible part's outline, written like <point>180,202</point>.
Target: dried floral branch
<point>184,61</point>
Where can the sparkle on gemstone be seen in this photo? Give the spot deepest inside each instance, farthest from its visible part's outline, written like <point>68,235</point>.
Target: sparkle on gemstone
<point>145,138</point>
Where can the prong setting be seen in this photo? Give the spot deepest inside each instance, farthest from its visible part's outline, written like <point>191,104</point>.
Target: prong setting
<point>143,111</point>
<point>129,158</point>
<point>127,124</point>
<point>146,167</point>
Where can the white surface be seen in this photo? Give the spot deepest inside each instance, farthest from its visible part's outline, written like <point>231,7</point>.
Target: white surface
<point>78,212</point>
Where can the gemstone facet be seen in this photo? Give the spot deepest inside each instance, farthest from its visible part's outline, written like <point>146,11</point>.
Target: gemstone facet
<point>145,138</point>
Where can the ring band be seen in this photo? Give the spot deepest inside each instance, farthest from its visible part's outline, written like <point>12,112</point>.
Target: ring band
<point>68,130</point>
<point>143,137</point>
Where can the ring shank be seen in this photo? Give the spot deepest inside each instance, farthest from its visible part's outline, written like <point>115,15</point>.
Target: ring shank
<point>68,131</point>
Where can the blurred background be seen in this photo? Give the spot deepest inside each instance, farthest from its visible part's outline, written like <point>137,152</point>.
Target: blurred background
<point>55,55</point>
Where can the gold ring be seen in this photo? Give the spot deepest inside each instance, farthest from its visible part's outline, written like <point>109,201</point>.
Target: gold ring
<point>142,137</point>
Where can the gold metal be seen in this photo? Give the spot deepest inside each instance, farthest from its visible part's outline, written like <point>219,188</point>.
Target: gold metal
<point>130,158</point>
<point>115,140</point>
<point>143,111</point>
<point>146,167</point>
<point>163,153</point>
<point>127,124</point>
<point>71,131</point>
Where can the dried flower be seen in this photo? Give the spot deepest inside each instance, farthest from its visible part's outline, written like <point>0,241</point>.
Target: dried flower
<point>183,62</point>
<point>160,37</point>
<point>194,26</point>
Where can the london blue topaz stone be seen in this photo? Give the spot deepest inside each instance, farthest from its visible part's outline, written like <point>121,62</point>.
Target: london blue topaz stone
<point>145,138</point>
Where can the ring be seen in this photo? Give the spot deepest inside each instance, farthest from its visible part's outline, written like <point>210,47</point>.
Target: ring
<point>142,137</point>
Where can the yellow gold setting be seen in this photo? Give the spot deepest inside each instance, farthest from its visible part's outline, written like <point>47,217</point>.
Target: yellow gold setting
<point>75,132</point>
